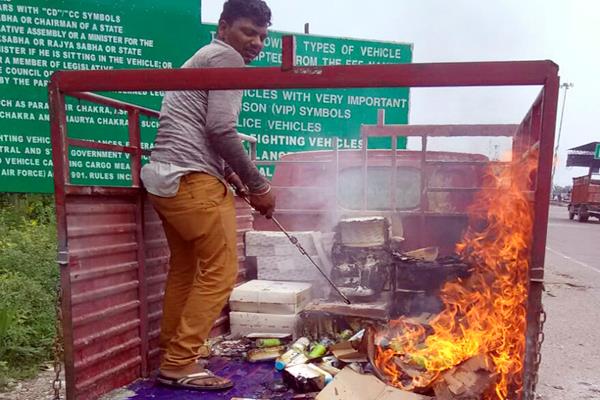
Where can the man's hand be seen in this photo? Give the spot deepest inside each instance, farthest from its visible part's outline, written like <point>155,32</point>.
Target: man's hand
<point>263,202</point>
<point>234,180</point>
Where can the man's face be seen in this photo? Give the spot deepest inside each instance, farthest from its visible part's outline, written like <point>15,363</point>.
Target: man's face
<point>244,36</point>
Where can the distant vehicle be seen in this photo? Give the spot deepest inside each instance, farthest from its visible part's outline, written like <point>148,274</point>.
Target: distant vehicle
<point>585,198</point>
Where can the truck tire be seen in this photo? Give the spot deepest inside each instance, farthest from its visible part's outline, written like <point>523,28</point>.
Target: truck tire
<point>583,215</point>
<point>571,209</point>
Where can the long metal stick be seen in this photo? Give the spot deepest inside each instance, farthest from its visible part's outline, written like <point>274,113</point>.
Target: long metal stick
<point>294,240</point>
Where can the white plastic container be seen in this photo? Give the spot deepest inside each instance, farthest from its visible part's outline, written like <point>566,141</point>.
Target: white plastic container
<point>244,323</point>
<point>271,297</point>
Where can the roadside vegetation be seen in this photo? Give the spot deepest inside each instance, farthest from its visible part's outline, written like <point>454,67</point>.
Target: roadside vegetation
<point>28,280</point>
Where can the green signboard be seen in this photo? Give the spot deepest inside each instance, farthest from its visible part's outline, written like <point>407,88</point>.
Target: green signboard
<point>597,152</point>
<point>287,121</point>
<point>36,39</point>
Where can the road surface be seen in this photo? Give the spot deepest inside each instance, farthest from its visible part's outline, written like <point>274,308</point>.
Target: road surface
<point>570,368</point>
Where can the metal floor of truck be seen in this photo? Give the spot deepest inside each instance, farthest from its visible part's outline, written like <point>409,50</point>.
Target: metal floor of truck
<point>252,380</point>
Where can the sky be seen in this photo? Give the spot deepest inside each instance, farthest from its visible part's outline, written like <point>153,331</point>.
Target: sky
<point>564,31</point>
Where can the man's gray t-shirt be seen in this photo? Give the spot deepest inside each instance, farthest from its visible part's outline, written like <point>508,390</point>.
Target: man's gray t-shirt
<point>197,131</point>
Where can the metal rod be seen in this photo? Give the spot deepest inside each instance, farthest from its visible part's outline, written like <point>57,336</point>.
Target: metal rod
<point>338,76</point>
<point>133,118</point>
<point>566,86</point>
<point>114,103</point>
<point>295,242</point>
<point>60,160</point>
<point>424,199</point>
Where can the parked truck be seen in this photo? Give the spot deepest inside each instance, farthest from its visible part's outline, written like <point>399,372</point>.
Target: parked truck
<point>585,198</point>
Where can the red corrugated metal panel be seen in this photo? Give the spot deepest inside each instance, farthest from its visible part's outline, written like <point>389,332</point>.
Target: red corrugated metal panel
<point>106,347</point>
<point>116,298</point>
<point>156,254</point>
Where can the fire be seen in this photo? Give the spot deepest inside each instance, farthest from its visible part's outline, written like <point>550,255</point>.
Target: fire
<point>485,313</point>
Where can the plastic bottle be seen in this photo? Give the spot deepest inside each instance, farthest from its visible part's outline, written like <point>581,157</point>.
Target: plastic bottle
<point>268,342</point>
<point>320,348</point>
<point>295,355</point>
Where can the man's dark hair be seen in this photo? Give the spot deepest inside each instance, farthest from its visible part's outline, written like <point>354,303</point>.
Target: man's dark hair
<point>256,10</point>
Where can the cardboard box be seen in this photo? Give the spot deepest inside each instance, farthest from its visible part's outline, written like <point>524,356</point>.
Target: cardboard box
<point>350,385</point>
<point>244,323</point>
<point>345,352</point>
<point>270,297</point>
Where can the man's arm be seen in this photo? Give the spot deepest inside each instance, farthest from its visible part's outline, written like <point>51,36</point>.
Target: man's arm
<point>234,180</point>
<point>221,121</point>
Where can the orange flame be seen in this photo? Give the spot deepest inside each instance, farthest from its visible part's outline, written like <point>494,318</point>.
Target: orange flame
<point>485,313</point>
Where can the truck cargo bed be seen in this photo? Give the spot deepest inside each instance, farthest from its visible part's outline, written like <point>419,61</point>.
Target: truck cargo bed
<point>585,198</point>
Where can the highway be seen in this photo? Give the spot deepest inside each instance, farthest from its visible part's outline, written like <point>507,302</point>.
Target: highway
<point>570,366</point>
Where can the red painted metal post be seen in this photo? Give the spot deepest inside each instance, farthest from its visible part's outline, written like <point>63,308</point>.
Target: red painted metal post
<point>117,104</point>
<point>394,174</point>
<point>388,131</point>
<point>336,167</point>
<point>540,225</point>
<point>135,142</point>
<point>133,120</point>
<point>424,198</point>
<point>288,52</point>
<point>380,117</point>
<point>142,286</point>
<point>88,144</point>
<point>336,177</point>
<point>58,136</point>
<point>365,168</point>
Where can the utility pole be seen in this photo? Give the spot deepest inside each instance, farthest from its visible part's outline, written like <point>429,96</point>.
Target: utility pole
<point>566,86</point>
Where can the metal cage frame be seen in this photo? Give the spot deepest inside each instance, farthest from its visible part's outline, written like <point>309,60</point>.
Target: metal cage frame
<point>535,133</point>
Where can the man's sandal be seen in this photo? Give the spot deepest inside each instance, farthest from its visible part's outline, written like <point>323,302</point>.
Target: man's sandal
<point>194,381</point>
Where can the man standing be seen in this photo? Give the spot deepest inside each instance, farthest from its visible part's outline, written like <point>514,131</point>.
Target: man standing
<point>197,152</point>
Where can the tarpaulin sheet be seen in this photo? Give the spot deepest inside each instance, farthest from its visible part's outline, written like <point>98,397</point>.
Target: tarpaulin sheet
<point>252,380</point>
